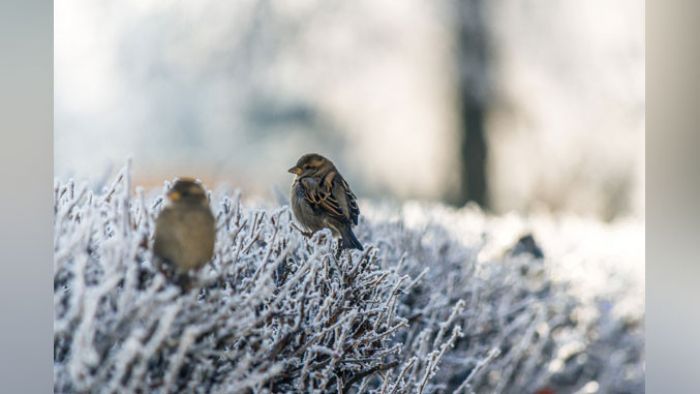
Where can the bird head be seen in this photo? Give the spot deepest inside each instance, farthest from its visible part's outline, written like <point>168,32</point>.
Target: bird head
<point>187,191</point>
<point>311,164</point>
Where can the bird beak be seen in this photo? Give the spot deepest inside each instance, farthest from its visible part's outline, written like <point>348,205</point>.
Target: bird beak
<point>294,170</point>
<point>174,196</point>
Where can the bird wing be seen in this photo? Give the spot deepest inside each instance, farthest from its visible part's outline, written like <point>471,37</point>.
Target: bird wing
<point>352,201</point>
<point>165,243</point>
<point>332,195</point>
<point>319,194</point>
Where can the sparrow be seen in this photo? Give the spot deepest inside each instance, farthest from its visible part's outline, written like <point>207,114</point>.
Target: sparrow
<point>185,231</point>
<point>321,198</point>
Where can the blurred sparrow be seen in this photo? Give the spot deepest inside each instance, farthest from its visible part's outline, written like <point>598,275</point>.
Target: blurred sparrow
<point>321,198</point>
<point>185,230</point>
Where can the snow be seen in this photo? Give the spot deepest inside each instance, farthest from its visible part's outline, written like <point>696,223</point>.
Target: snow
<point>434,303</point>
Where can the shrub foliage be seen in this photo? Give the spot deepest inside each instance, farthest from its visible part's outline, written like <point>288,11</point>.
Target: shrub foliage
<point>275,311</point>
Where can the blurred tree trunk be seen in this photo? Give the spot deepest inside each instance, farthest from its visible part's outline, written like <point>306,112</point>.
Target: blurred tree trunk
<point>472,58</point>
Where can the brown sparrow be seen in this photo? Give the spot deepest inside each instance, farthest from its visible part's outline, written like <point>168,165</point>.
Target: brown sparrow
<point>185,230</point>
<point>321,198</point>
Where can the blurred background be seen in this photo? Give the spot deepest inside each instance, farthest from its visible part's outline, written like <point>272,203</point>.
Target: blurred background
<point>515,105</point>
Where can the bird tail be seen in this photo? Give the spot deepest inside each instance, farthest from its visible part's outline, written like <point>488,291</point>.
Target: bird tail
<point>349,240</point>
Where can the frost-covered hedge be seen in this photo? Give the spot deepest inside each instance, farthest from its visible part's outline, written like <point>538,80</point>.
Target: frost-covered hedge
<point>420,310</point>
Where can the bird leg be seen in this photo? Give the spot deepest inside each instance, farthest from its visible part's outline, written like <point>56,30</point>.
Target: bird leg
<point>307,234</point>
<point>184,281</point>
